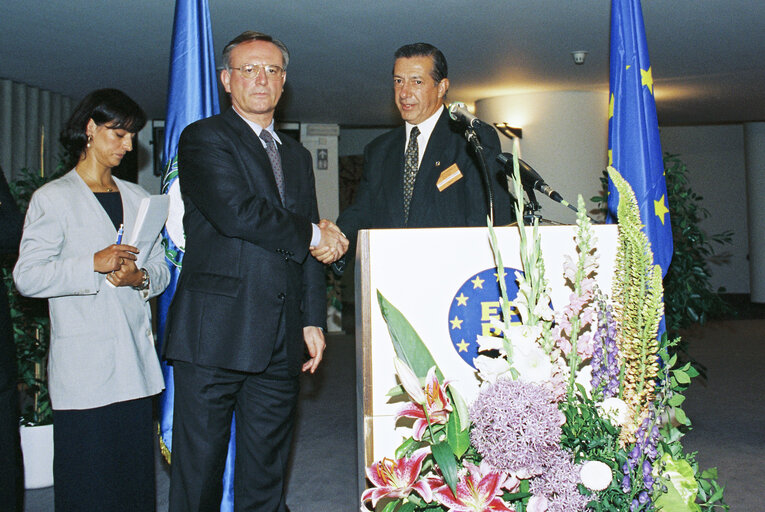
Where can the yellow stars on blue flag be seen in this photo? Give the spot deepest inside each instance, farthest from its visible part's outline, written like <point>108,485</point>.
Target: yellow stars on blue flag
<point>456,322</point>
<point>477,282</point>
<point>463,346</point>
<point>660,208</point>
<point>646,78</point>
<point>461,299</point>
<point>634,147</point>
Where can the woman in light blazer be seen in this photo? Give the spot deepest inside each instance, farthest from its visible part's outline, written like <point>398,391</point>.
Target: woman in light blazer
<point>102,369</point>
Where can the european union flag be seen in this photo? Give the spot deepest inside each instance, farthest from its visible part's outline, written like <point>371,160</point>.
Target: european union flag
<point>192,94</point>
<point>634,148</point>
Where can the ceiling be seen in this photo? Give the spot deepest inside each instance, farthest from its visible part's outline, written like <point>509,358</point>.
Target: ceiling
<point>707,55</point>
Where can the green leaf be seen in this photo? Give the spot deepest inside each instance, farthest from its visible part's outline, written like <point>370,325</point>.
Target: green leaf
<point>408,446</point>
<point>681,416</point>
<point>681,377</point>
<point>444,457</point>
<point>458,439</point>
<point>681,489</point>
<point>407,343</point>
<point>460,407</point>
<point>407,507</point>
<point>390,507</point>
<point>676,399</point>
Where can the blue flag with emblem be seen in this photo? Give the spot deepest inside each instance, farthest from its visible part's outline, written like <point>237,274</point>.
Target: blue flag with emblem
<point>192,94</point>
<point>634,148</point>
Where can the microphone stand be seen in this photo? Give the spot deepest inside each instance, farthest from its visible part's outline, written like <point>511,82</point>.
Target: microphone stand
<point>531,207</point>
<point>472,137</point>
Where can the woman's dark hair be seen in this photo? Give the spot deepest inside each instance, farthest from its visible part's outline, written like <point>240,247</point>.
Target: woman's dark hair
<point>110,107</point>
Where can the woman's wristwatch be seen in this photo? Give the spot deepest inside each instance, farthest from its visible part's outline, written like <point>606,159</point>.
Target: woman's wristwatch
<point>145,283</point>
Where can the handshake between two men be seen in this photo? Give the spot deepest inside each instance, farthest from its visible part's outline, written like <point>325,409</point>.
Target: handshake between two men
<point>333,243</point>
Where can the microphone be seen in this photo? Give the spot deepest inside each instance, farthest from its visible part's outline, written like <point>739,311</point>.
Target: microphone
<point>458,112</point>
<point>531,178</point>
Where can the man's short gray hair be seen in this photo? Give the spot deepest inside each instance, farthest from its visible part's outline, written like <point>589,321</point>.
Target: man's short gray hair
<point>251,35</point>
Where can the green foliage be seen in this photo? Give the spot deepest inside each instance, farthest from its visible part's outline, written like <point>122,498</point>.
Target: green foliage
<point>675,379</point>
<point>588,436</point>
<point>688,293</point>
<point>30,320</point>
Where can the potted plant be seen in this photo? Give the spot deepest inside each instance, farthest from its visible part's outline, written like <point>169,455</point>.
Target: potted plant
<point>31,336</point>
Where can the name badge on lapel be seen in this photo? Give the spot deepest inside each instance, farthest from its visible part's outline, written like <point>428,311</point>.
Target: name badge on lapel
<point>451,175</point>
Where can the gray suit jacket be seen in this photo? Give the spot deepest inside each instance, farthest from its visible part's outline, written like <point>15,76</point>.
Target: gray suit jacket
<point>101,348</point>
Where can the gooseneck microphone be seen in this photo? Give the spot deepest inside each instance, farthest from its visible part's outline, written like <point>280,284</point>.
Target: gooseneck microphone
<point>531,178</point>
<point>458,111</point>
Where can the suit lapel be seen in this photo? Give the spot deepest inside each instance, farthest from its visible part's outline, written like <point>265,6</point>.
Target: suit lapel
<point>87,201</point>
<point>259,171</point>
<point>439,154</point>
<point>393,179</point>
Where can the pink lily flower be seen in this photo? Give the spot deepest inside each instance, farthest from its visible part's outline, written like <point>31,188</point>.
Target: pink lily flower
<point>475,493</point>
<point>436,401</point>
<point>397,479</point>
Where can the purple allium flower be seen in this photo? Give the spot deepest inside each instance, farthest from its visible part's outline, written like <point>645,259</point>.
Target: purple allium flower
<point>558,484</point>
<point>516,426</point>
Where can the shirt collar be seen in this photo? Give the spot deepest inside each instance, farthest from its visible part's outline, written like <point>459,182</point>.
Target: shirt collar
<point>426,127</point>
<point>257,128</point>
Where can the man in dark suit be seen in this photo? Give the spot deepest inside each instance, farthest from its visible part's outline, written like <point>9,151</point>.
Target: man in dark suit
<point>251,298</point>
<point>431,179</point>
<point>11,470</point>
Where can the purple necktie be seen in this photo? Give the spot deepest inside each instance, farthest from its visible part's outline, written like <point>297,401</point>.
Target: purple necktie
<point>276,161</point>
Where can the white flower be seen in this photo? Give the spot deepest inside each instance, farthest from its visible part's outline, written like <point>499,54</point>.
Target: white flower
<point>584,377</point>
<point>537,504</point>
<point>524,333</point>
<point>531,362</point>
<point>615,410</point>
<point>596,475</point>
<point>490,343</point>
<point>491,368</point>
<point>409,380</point>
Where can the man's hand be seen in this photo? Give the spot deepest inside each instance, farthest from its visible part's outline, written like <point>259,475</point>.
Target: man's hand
<point>332,245</point>
<point>314,340</point>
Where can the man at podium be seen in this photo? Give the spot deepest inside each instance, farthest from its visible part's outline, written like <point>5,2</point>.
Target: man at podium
<point>425,173</point>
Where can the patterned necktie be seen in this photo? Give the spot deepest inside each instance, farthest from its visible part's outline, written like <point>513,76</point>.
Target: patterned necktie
<point>276,161</point>
<point>411,158</point>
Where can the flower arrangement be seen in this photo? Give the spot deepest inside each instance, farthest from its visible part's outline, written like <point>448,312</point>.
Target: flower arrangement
<point>579,408</point>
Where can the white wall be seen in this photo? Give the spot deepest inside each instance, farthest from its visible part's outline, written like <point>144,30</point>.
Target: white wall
<point>353,140</point>
<point>714,156</point>
<point>565,138</point>
<point>145,150</point>
<point>322,138</point>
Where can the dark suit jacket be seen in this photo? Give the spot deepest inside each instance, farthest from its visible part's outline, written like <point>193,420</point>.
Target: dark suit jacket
<point>246,264</point>
<point>379,201</point>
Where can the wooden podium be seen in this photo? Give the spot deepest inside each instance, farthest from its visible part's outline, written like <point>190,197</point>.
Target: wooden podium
<point>444,282</point>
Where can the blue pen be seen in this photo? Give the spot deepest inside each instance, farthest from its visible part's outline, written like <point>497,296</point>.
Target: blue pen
<point>119,234</point>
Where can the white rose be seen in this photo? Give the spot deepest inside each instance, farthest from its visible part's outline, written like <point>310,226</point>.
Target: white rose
<point>596,475</point>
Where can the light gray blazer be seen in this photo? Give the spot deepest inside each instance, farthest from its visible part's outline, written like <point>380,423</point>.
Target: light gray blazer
<point>101,348</point>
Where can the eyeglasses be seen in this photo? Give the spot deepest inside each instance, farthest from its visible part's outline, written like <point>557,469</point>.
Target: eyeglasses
<point>251,71</point>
